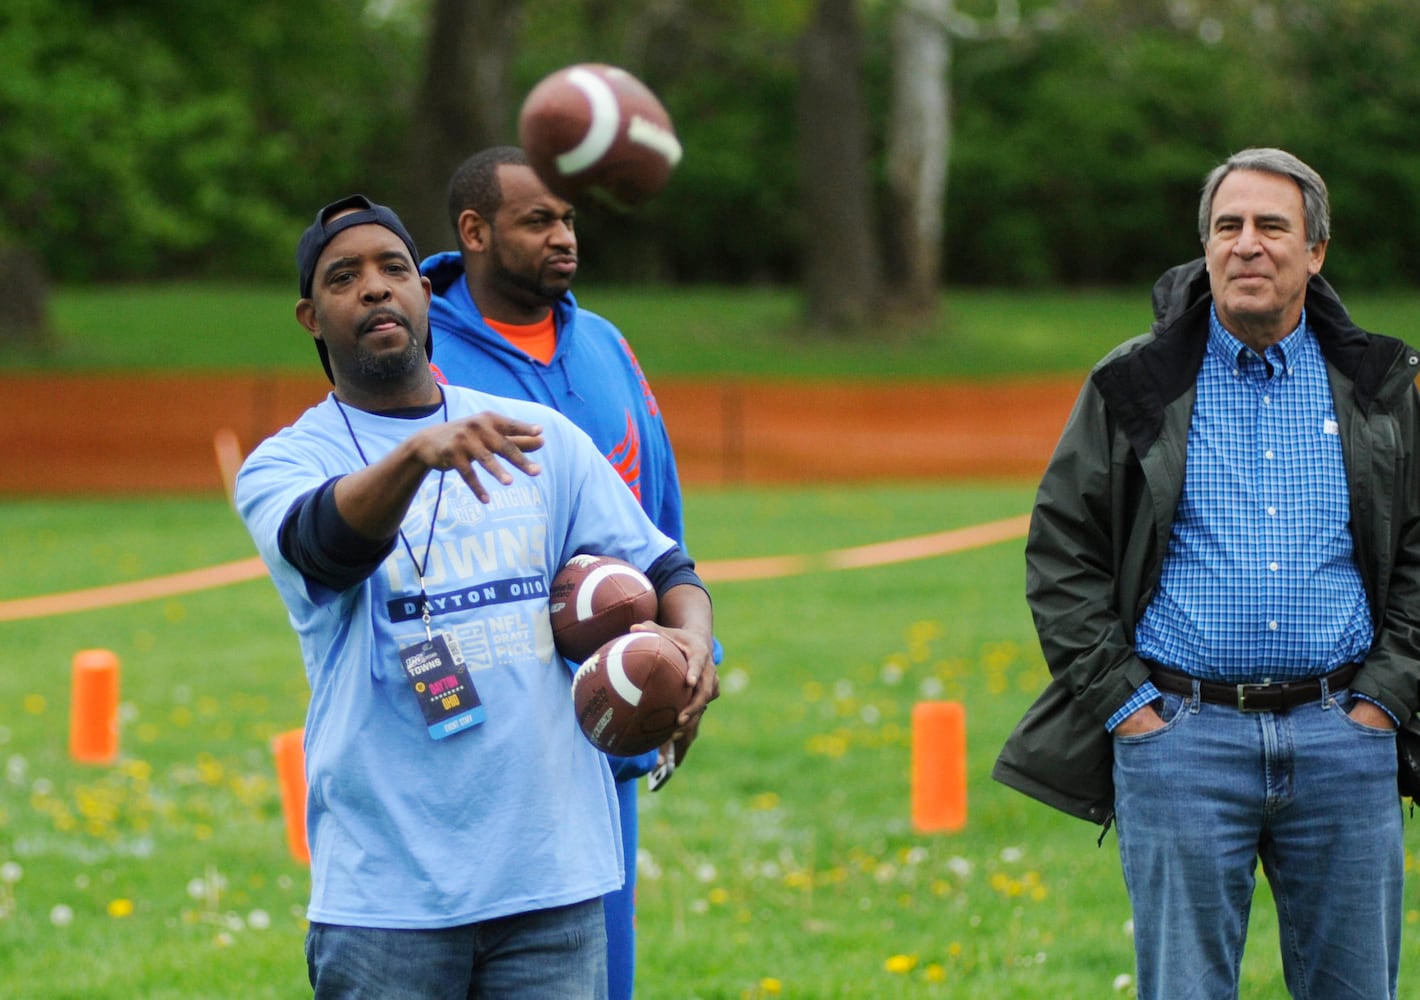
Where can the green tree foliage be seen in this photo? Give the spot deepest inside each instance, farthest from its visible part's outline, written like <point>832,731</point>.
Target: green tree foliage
<point>1080,154</point>
<point>166,137</point>
<point>154,138</point>
<point>1076,162</point>
<point>1356,114</point>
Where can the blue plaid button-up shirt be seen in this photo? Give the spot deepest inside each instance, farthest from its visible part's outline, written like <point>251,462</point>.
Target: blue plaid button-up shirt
<point>1260,581</point>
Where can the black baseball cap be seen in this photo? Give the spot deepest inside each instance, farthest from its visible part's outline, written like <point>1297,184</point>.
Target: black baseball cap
<point>319,234</point>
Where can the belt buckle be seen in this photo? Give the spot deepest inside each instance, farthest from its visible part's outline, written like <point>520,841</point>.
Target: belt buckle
<point>1243,693</point>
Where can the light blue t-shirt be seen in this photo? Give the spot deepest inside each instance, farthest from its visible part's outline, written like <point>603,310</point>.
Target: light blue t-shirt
<point>516,813</point>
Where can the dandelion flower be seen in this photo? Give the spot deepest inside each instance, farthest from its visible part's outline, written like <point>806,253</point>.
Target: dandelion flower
<point>770,986</point>
<point>138,770</point>
<point>61,915</point>
<point>119,908</point>
<point>1122,982</point>
<point>901,964</point>
<point>11,872</point>
<point>798,879</point>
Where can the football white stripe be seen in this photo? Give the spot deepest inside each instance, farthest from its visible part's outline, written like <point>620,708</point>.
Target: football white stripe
<point>601,132</point>
<point>594,579</point>
<point>616,670</point>
<point>647,133</point>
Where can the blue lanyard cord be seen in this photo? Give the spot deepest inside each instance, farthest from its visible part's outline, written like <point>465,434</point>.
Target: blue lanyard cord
<point>433,517</point>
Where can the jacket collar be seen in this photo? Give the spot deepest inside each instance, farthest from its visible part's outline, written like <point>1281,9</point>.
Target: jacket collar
<point>1137,386</point>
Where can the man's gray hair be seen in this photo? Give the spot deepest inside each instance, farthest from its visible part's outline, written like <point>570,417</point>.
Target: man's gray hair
<point>1315,205</point>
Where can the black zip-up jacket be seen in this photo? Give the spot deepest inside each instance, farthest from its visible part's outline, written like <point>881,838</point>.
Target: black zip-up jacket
<point>1103,514</point>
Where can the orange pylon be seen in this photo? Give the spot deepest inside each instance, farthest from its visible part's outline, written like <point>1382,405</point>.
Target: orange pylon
<point>938,766</point>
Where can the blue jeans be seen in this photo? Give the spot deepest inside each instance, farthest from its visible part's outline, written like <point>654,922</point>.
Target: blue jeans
<point>557,954</point>
<point>1309,791</point>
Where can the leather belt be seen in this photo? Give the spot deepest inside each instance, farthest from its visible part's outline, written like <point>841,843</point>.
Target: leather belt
<point>1267,697</point>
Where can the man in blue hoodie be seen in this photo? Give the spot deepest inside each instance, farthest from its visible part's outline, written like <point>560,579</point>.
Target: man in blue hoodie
<point>506,322</point>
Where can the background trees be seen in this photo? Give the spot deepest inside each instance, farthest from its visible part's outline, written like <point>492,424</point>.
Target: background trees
<point>158,138</point>
<point>465,79</point>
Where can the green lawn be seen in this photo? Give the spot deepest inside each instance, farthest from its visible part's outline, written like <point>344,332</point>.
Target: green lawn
<point>683,331</point>
<point>675,331</point>
<point>780,862</point>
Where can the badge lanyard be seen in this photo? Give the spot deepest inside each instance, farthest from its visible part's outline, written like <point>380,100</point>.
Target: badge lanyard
<point>433,517</point>
<point>436,670</point>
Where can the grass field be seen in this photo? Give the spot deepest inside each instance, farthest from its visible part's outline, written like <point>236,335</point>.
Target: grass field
<point>780,862</point>
<point>682,331</point>
<point>676,331</point>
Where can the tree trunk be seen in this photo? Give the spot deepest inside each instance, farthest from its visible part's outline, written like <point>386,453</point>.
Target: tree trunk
<point>842,273</point>
<point>463,106</point>
<point>919,143</point>
<point>24,322</point>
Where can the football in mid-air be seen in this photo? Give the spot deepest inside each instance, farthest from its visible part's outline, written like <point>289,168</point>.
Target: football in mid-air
<point>593,600</point>
<point>630,692</point>
<point>595,131</point>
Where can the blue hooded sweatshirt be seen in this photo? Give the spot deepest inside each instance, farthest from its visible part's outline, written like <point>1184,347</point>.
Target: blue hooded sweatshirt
<point>594,379</point>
